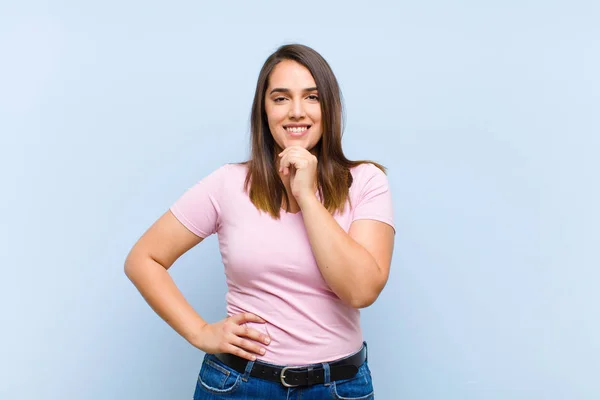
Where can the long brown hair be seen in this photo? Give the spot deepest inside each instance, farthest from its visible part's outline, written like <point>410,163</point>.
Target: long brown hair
<point>263,184</point>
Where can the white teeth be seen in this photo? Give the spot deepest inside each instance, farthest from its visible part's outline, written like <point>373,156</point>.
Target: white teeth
<point>296,130</point>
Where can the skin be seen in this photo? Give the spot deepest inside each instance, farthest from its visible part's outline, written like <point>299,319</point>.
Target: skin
<point>293,100</point>
<point>147,267</point>
<point>355,264</point>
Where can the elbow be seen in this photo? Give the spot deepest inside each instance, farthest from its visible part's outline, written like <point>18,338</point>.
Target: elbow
<point>128,264</point>
<point>128,269</point>
<point>365,296</point>
<point>363,300</point>
<point>139,265</point>
<point>131,265</point>
<point>360,303</point>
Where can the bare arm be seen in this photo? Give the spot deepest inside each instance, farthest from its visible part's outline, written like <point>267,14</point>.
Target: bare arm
<point>356,264</point>
<point>146,266</point>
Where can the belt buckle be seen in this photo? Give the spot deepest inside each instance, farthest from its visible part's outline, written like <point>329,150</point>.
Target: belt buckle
<point>282,376</point>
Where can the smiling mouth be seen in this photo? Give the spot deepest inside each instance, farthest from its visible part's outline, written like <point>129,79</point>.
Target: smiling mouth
<point>297,130</point>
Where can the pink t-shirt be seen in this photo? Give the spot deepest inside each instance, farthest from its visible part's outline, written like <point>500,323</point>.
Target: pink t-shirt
<point>270,268</point>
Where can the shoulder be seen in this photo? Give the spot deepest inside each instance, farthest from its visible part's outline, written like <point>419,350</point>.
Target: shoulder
<point>370,194</point>
<point>234,170</point>
<point>221,178</point>
<point>364,173</point>
<point>227,172</point>
<point>366,169</point>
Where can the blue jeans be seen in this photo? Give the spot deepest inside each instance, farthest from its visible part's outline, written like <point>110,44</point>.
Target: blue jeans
<point>218,381</point>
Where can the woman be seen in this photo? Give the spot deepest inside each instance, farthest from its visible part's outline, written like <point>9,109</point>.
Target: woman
<point>306,238</point>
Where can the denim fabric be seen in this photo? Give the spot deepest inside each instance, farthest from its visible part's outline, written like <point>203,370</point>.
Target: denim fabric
<point>217,381</point>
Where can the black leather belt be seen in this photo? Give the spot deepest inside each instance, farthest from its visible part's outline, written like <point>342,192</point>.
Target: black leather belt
<point>292,376</point>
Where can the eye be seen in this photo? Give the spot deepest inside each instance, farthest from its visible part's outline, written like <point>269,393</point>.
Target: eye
<point>278,99</point>
<point>313,97</point>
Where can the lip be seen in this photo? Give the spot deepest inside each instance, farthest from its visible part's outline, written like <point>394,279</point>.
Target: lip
<point>297,125</point>
<point>297,134</point>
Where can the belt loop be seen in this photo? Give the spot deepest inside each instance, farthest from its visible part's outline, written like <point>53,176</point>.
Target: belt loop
<point>327,372</point>
<point>247,371</point>
<point>366,351</point>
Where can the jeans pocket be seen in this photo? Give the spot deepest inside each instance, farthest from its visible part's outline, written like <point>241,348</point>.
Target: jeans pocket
<point>216,378</point>
<point>360,387</point>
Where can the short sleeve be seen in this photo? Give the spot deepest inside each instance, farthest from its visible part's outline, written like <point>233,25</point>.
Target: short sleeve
<point>198,208</point>
<point>374,200</point>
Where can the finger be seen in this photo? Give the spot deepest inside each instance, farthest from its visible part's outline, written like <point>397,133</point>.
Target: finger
<point>248,345</point>
<point>287,161</point>
<point>247,317</point>
<point>291,168</point>
<point>284,164</point>
<point>235,350</point>
<point>286,150</point>
<point>253,334</point>
<point>295,162</point>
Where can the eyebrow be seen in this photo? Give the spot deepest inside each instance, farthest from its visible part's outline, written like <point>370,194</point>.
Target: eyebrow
<point>284,90</point>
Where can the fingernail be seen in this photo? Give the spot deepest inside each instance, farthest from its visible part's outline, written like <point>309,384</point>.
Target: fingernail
<point>253,358</point>
<point>267,340</point>
<point>262,351</point>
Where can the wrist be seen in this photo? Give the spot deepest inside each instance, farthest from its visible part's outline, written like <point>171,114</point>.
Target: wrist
<point>306,200</point>
<point>196,335</point>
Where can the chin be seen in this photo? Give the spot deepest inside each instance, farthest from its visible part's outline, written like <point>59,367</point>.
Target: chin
<point>306,146</point>
<point>307,143</point>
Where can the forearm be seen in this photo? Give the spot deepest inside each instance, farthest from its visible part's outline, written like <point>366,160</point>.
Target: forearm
<point>347,267</point>
<point>160,292</point>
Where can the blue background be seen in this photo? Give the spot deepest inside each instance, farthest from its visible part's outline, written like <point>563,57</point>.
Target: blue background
<point>485,112</point>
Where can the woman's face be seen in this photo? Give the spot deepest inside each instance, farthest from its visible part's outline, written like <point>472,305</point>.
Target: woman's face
<point>292,106</point>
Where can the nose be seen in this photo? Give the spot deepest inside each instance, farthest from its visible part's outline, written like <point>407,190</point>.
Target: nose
<point>296,110</point>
